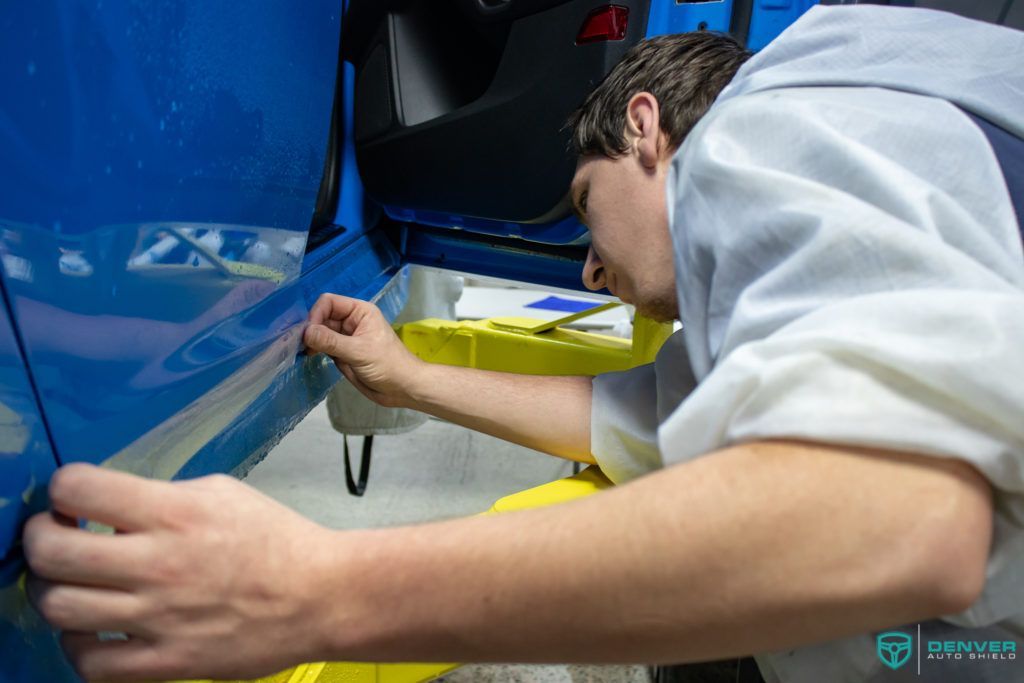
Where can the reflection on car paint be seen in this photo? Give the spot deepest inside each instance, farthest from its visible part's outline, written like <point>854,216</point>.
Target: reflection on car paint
<point>147,319</point>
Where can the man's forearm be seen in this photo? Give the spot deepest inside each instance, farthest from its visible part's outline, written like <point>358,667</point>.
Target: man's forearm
<point>752,549</point>
<point>550,414</point>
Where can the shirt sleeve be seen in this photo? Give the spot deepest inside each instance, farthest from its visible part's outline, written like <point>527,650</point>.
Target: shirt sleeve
<point>850,271</point>
<point>628,406</point>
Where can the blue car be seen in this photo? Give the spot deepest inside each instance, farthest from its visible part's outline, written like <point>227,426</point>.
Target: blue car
<point>180,181</point>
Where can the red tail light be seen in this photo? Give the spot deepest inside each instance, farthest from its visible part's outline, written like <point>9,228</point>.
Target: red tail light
<point>604,23</point>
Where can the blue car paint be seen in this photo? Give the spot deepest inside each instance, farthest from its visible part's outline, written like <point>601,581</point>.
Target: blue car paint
<point>769,18</point>
<point>668,16</point>
<point>163,165</point>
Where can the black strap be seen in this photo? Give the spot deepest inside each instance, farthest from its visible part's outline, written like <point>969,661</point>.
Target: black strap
<point>364,467</point>
<point>726,671</point>
<point>1009,151</point>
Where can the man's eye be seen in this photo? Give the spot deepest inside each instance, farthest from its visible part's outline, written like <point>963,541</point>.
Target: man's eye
<point>583,202</point>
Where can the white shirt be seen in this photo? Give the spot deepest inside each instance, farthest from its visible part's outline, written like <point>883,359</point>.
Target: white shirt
<point>850,270</point>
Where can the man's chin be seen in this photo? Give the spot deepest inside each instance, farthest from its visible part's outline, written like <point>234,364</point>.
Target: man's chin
<point>660,311</point>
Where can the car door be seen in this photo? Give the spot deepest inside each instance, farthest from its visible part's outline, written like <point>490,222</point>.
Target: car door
<point>161,166</point>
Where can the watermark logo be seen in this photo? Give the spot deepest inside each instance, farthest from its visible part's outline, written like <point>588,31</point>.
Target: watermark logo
<point>894,648</point>
<point>972,649</point>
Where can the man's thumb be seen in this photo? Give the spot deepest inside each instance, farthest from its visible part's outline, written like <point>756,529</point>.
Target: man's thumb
<point>322,339</point>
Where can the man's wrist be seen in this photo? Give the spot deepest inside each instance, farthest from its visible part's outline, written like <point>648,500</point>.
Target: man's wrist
<point>421,384</point>
<point>336,593</point>
<point>370,596</point>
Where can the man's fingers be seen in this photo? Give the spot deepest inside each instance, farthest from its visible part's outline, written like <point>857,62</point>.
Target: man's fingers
<point>81,608</point>
<point>342,313</point>
<point>347,373</point>
<point>123,501</point>
<point>332,325</point>
<point>115,660</point>
<point>60,552</point>
<point>64,520</point>
<point>332,307</point>
<point>322,339</point>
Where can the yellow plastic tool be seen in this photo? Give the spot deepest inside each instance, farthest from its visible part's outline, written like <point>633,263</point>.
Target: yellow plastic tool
<point>520,345</point>
<point>533,347</point>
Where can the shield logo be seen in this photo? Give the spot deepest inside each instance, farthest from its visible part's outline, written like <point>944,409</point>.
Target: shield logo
<point>894,648</point>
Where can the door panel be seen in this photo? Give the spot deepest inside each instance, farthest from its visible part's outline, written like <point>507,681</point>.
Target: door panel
<point>162,164</point>
<point>460,108</point>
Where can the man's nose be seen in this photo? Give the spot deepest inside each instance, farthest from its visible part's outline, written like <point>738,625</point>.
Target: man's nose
<point>593,271</point>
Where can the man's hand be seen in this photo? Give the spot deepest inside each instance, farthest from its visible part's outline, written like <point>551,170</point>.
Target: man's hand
<point>364,347</point>
<point>205,576</point>
<point>550,414</point>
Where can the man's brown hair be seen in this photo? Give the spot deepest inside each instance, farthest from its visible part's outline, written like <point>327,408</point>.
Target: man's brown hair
<point>685,72</point>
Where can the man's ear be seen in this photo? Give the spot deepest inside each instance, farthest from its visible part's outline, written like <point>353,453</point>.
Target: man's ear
<point>643,128</point>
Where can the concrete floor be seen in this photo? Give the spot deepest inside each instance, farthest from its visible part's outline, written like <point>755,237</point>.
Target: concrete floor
<point>438,471</point>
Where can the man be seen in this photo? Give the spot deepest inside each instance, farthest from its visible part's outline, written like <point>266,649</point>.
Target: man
<point>837,433</point>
